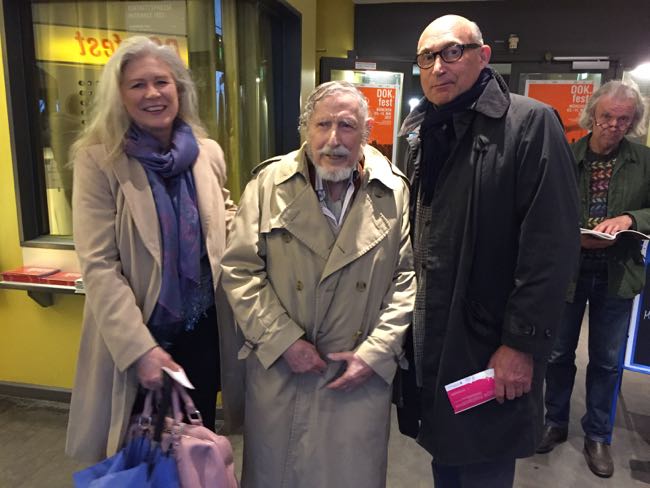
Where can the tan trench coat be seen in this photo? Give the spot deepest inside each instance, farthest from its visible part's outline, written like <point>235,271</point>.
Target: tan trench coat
<point>288,276</point>
<point>117,239</point>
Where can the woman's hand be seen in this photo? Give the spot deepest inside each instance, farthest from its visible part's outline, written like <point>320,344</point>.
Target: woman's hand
<point>149,367</point>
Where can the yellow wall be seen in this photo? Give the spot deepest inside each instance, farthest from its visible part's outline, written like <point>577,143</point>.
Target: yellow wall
<point>327,30</point>
<point>334,29</point>
<point>38,345</point>
<point>307,9</point>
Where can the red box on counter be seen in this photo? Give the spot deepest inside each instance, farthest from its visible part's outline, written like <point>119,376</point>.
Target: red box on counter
<point>28,274</point>
<point>65,278</point>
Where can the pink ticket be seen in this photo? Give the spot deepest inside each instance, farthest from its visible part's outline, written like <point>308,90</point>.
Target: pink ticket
<point>471,391</point>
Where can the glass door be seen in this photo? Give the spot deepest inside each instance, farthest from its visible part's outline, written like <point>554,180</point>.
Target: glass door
<point>558,85</point>
<point>388,85</point>
<point>383,90</point>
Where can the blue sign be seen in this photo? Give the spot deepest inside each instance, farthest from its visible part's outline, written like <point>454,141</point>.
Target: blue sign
<point>637,352</point>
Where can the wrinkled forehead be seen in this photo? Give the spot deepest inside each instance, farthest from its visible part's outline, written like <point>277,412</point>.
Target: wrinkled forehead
<point>338,104</point>
<point>618,105</point>
<point>440,34</point>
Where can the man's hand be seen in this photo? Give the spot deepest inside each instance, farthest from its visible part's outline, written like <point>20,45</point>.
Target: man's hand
<point>513,373</point>
<point>609,226</point>
<point>148,367</point>
<point>302,357</point>
<point>614,225</point>
<point>356,373</point>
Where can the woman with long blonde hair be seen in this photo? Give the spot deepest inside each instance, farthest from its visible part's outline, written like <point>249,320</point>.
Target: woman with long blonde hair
<point>150,213</point>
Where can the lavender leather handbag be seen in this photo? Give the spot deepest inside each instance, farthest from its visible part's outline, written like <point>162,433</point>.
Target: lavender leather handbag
<point>203,458</point>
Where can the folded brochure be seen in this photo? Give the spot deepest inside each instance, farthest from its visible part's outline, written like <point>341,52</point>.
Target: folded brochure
<point>179,376</point>
<point>471,391</point>
<point>610,237</point>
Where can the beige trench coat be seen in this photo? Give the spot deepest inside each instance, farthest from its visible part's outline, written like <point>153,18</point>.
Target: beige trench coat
<point>288,276</point>
<point>117,239</point>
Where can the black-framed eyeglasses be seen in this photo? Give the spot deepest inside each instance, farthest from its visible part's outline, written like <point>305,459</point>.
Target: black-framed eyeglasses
<point>450,54</point>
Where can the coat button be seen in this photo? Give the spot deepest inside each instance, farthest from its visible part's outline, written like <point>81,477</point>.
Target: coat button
<point>547,333</point>
<point>299,285</point>
<point>361,285</point>
<point>379,193</point>
<point>286,237</point>
<point>358,333</point>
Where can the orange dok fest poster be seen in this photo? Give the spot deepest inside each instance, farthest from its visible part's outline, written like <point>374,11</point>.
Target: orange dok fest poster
<point>565,96</point>
<point>381,105</point>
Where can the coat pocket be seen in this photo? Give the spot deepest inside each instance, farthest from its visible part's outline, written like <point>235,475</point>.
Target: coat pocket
<point>482,324</point>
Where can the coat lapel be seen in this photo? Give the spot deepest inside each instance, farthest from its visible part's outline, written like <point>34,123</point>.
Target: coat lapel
<point>364,227</point>
<point>137,193</point>
<point>203,182</point>
<point>304,218</point>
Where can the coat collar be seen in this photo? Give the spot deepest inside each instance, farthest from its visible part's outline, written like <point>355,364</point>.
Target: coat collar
<point>376,166</point>
<point>366,224</point>
<point>625,153</point>
<point>139,198</point>
<point>493,102</point>
<point>203,182</point>
<point>495,99</point>
<point>137,192</point>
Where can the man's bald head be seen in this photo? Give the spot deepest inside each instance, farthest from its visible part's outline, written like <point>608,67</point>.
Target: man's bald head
<point>443,81</point>
<point>448,23</point>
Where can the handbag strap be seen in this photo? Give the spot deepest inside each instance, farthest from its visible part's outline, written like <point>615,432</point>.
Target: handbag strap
<point>145,418</point>
<point>179,393</point>
<point>171,395</point>
<point>163,407</point>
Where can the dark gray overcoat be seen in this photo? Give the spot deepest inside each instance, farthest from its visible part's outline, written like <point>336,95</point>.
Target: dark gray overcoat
<point>503,245</point>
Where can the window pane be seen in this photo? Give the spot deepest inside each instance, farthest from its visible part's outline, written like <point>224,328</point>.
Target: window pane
<point>73,40</point>
<point>567,93</point>
<point>244,56</point>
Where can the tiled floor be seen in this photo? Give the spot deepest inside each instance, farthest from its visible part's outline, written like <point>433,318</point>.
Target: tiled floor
<point>32,436</point>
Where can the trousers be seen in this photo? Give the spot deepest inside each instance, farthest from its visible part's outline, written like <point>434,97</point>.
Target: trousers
<point>609,317</point>
<point>498,474</point>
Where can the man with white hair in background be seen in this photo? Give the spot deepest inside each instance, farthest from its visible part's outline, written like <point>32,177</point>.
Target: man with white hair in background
<point>319,272</point>
<point>613,178</point>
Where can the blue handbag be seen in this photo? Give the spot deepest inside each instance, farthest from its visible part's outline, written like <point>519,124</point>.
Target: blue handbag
<point>139,464</point>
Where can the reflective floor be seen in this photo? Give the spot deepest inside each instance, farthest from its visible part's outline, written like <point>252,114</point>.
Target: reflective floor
<point>33,436</point>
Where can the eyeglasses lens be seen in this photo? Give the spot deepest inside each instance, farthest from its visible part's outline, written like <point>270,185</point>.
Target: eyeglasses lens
<point>451,53</point>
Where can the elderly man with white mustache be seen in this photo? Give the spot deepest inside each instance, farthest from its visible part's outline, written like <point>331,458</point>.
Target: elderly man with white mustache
<point>319,272</point>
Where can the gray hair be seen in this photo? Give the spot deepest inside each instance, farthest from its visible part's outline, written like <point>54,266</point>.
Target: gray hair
<point>109,119</point>
<point>620,91</point>
<point>326,90</point>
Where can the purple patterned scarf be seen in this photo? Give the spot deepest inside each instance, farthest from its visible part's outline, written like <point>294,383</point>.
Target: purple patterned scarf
<point>170,176</point>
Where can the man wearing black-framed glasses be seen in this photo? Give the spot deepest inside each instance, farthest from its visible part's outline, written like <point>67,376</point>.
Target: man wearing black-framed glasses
<point>494,216</point>
<point>613,176</point>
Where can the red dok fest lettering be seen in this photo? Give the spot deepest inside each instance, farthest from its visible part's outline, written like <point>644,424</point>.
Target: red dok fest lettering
<point>97,47</point>
<point>106,46</point>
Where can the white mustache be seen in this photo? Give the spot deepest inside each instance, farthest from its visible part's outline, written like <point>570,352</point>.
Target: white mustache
<point>328,150</point>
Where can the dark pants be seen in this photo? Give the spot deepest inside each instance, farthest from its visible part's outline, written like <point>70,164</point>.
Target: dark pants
<point>608,323</point>
<point>197,351</point>
<point>499,474</point>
